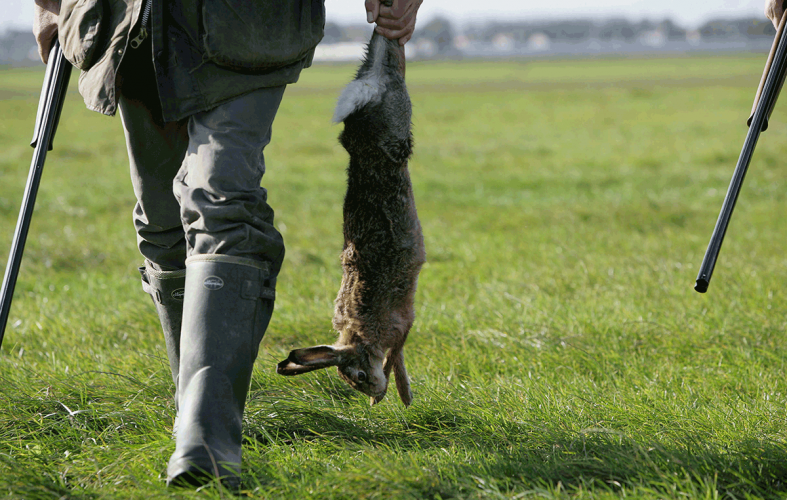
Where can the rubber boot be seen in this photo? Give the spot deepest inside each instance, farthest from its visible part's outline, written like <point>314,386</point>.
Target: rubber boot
<point>166,289</point>
<point>227,308</point>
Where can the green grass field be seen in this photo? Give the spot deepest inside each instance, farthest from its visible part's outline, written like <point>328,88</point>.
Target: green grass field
<point>559,350</point>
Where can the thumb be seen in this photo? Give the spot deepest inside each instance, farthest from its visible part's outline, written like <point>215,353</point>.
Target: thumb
<point>372,10</point>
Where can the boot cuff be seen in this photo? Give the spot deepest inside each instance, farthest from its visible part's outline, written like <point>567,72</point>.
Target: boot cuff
<point>161,275</point>
<point>263,266</point>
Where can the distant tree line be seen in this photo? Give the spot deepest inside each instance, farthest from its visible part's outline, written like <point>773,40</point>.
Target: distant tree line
<point>737,28</point>
<point>621,29</point>
<point>577,30</point>
<point>441,31</point>
<point>18,46</point>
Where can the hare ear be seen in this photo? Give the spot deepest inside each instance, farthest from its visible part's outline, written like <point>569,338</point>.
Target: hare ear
<point>400,375</point>
<point>387,367</point>
<point>310,359</point>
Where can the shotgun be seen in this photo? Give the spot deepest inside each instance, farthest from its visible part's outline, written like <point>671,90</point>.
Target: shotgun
<point>50,104</point>
<point>764,101</point>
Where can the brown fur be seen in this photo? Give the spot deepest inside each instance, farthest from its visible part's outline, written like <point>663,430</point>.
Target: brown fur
<point>383,244</point>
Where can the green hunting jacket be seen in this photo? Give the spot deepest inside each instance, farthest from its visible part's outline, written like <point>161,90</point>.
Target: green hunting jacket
<point>204,51</point>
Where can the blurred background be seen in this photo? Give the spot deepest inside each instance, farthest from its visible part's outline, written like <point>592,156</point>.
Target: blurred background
<point>570,162</point>
<point>508,28</point>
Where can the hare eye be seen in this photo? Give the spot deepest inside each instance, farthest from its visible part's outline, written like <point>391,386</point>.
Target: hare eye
<point>361,376</point>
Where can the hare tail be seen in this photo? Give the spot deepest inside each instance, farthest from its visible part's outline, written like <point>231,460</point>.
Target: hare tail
<point>369,86</point>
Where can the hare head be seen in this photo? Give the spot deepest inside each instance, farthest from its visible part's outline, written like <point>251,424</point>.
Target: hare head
<point>361,367</point>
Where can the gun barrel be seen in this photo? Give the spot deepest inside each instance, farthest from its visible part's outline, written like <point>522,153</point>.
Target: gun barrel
<point>58,74</point>
<point>776,68</point>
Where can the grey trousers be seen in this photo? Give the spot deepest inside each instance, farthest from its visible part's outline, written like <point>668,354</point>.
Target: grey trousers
<point>197,180</point>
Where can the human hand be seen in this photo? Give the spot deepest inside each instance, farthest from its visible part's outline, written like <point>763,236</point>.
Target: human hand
<point>45,25</point>
<point>394,21</point>
<point>774,10</point>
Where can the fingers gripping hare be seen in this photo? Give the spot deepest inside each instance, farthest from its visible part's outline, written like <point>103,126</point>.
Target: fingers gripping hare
<point>383,244</point>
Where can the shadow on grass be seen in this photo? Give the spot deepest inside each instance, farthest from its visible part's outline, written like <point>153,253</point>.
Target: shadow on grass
<point>493,455</point>
<point>36,482</point>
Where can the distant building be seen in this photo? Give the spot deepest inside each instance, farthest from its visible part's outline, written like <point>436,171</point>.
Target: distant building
<point>461,42</point>
<point>423,48</point>
<point>538,42</point>
<point>343,51</point>
<point>653,38</point>
<point>503,42</point>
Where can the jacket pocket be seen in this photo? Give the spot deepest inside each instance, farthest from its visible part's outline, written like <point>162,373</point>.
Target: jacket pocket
<point>80,28</point>
<point>250,35</point>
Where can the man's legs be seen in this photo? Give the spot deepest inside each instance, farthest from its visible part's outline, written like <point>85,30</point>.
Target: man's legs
<point>235,254</point>
<point>156,151</point>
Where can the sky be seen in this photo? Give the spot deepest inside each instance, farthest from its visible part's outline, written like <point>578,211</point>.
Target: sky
<point>690,13</point>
